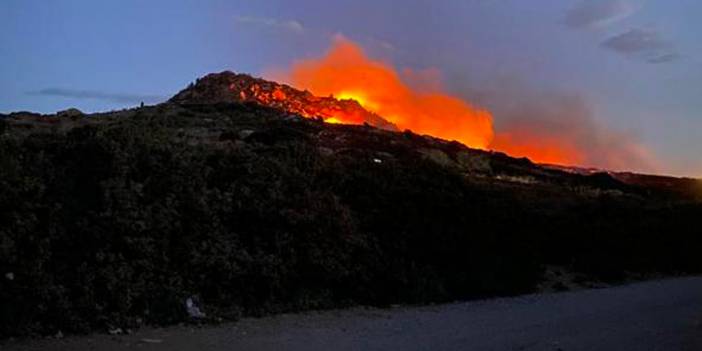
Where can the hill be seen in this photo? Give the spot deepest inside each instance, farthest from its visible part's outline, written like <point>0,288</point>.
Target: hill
<point>247,206</point>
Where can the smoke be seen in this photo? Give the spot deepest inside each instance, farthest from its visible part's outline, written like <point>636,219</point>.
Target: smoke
<point>557,127</point>
<point>546,127</point>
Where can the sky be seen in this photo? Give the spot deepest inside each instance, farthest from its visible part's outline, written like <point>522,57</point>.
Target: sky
<point>622,69</point>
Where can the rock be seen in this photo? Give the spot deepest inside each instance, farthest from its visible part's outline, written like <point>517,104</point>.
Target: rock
<point>10,276</point>
<point>58,335</point>
<point>115,331</point>
<point>243,134</point>
<point>192,308</point>
<point>71,112</point>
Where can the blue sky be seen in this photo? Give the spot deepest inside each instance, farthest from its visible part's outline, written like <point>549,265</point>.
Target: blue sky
<point>634,64</point>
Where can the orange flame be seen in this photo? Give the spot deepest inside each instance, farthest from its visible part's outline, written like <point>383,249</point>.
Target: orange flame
<point>347,73</point>
<point>541,149</point>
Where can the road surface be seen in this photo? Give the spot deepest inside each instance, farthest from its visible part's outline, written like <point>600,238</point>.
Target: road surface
<point>659,315</point>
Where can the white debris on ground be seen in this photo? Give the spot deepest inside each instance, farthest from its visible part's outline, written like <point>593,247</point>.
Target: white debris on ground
<point>152,341</point>
<point>192,308</point>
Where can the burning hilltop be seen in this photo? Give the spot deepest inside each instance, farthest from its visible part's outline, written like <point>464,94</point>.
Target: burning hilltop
<point>368,102</point>
<point>347,86</point>
<point>346,108</point>
<point>227,87</point>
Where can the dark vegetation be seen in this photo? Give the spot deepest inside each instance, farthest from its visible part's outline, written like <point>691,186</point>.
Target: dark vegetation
<point>115,219</point>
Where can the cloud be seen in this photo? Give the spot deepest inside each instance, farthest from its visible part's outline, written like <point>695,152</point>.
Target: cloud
<point>634,41</point>
<point>597,13</point>
<point>99,95</point>
<point>663,58</point>
<point>287,25</point>
<point>645,44</point>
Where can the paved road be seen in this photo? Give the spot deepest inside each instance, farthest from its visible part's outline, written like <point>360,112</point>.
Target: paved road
<point>660,315</point>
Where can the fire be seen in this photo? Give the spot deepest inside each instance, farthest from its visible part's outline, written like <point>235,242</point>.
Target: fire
<point>359,97</point>
<point>333,120</point>
<point>347,73</point>
<point>542,149</point>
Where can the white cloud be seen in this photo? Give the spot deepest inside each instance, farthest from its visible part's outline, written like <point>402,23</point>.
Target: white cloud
<point>287,25</point>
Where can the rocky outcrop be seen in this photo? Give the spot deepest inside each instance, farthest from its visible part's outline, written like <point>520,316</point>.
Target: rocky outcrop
<point>228,87</point>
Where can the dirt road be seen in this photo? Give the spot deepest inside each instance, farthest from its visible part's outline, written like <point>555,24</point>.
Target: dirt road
<point>659,315</point>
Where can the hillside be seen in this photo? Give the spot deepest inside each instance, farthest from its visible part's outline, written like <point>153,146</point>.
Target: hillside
<point>247,206</point>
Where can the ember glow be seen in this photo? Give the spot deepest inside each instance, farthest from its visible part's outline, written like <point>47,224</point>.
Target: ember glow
<point>347,73</point>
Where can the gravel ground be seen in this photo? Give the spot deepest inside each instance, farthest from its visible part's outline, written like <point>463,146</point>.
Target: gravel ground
<point>658,315</point>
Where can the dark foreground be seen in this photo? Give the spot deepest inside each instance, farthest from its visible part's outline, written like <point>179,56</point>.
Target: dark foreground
<point>660,315</point>
<point>114,220</point>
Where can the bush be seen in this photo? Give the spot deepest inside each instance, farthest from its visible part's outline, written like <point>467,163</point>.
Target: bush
<point>116,224</point>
